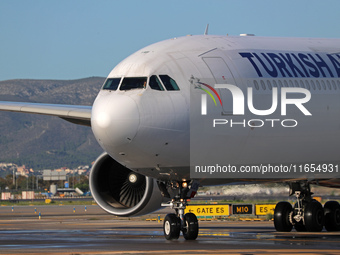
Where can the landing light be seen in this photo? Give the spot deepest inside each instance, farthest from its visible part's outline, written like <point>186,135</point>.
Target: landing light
<point>133,178</point>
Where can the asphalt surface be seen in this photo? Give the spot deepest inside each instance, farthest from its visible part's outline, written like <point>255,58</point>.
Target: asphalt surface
<point>61,230</point>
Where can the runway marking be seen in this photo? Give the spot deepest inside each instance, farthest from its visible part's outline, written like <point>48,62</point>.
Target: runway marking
<point>185,252</point>
<point>95,234</point>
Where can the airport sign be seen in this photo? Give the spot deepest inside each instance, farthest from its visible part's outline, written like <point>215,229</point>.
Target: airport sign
<point>264,209</point>
<point>208,210</point>
<point>243,209</point>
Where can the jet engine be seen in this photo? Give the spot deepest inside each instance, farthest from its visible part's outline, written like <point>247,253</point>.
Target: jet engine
<point>122,192</point>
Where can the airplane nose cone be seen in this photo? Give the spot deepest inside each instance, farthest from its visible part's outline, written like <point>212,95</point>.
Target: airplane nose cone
<point>115,120</point>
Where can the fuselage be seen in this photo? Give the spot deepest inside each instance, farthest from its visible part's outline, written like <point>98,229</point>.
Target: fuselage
<point>143,116</point>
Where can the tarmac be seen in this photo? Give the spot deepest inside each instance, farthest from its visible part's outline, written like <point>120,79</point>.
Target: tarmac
<point>63,230</point>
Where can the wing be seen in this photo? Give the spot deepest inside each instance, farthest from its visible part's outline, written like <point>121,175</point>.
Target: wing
<point>77,114</point>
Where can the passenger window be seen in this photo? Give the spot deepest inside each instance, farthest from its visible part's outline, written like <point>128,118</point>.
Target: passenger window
<point>313,85</point>
<point>154,83</point>
<point>302,84</point>
<point>263,85</point>
<point>269,85</point>
<point>329,85</point>
<point>111,83</point>
<point>333,83</point>
<point>274,83</point>
<point>133,83</point>
<point>169,83</point>
<point>318,85</point>
<point>308,86</point>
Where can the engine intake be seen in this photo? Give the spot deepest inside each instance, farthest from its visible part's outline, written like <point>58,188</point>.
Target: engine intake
<point>122,192</point>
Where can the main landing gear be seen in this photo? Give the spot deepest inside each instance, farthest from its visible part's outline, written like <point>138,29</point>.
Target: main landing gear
<point>174,223</point>
<point>307,213</point>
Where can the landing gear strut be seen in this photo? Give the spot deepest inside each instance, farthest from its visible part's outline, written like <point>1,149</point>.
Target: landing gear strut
<point>174,223</point>
<point>307,214</point>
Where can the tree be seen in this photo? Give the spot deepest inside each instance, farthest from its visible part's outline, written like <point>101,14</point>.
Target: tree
<point>81,182</point>
<point>3,184</point>
<point>9,181</point>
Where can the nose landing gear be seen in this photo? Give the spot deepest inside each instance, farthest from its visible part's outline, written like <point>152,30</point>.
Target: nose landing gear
<point>174,223</point>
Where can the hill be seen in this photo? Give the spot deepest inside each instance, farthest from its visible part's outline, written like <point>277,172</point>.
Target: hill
<point>42,142</point>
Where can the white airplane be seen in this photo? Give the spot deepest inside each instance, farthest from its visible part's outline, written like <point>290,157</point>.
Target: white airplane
<point>172,117</point>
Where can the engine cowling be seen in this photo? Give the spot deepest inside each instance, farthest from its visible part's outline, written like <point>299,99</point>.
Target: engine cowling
<point>122,192</point>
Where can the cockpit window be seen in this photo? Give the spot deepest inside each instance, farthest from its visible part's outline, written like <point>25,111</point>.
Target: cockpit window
<point>154,83</point>
<point>133,83</point>
<point>169,83</point>
<point>111,83</point>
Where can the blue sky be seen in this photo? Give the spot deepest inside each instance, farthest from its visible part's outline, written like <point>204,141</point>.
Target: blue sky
<point>70,39</point>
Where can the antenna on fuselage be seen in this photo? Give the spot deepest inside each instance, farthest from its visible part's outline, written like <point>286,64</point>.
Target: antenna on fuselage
<point>206,29</point>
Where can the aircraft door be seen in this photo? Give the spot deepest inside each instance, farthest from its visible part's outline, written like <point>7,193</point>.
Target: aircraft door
<point>222,75</point>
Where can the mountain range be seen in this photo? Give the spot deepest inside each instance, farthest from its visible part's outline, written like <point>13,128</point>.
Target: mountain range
<point>45,142</point>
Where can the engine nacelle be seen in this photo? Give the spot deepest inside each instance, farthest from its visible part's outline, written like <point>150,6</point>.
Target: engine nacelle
<point>122,192</point>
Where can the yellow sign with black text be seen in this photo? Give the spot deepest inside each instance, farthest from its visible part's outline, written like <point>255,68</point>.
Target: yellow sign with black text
<point>207,210</point>
<point>264,209</point>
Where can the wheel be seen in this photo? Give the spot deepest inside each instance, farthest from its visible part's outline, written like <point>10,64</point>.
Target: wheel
<point>281,217</point>
<point>171,226</point>
<point>314,216</point>
<point>332,216</point>
<point>190,230</point>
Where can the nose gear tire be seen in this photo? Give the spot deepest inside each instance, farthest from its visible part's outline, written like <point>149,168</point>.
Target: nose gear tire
<point>171,226</point>
<point>190,230</point>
